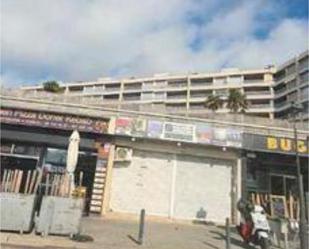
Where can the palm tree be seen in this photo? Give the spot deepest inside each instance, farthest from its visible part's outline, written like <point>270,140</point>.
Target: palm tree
<point>213,102</point>
<point>237,101</point>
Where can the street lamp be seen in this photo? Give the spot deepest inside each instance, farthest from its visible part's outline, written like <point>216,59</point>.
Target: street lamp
<point>295,109</point>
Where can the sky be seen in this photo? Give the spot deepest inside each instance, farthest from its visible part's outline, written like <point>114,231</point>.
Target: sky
<point>77,40</point>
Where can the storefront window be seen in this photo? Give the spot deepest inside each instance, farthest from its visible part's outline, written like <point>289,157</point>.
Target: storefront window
<point>6,147</point>
<point>55,160</point>
<point>283,185</point>
<point>277,187</point>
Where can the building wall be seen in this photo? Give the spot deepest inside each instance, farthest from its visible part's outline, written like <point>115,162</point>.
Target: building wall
<point>269,91</point>
<point>178,93</point>
<point>292,85</point>
<point>167,182</point>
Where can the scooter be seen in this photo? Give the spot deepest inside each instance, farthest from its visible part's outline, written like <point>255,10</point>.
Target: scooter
<point>254,228</point>
<point>261,229</point>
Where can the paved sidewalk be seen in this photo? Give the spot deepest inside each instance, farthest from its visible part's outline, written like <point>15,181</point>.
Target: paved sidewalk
<point>117,232</point>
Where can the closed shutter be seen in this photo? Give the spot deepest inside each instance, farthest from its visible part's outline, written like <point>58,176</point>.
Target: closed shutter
<point>203,187</point>
<point>145,182</point>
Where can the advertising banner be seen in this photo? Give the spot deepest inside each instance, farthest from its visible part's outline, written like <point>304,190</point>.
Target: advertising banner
<point>227,137</point>
<point>139,127</point>
<point>123,126</point>
<point>234,138</point>
<point>155,129</point>
<point>179,132</point>
<point>52,120</point>
<point>204,133</point>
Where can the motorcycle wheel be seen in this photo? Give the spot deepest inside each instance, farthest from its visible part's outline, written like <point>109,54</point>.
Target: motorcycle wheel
<point>265,243</point>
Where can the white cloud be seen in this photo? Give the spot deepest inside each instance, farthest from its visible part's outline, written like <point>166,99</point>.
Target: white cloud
<point>76,40</point>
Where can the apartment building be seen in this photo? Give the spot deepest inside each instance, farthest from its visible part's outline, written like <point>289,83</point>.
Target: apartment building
<point>180,94</point>
<point>269,91</point>
<point>291,85</point>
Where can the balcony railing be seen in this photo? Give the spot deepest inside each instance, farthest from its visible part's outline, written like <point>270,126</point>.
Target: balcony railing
<point>281,90</point>
<point>257,106</point>
<point>112,89</point>
<point>253,81</point>
<point>281,104</point>
<point>176,96</point>
<point>257,93</point>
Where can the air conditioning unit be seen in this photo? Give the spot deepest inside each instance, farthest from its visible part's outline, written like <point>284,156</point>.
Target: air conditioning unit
<point>123,154</point>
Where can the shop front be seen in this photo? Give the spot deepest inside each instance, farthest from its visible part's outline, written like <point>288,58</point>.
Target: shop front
<point>31,140</point>
<point>178,170</point>
<point>270,171</point>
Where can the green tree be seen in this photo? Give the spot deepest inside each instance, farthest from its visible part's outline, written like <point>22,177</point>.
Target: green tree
<point>52,86</point>
<point>237,101</point>
<point>213,102</point>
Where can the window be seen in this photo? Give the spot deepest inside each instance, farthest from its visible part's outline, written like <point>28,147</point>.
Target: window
<point>220,80</point>
<point>235,79</point>
<point>283,185</point>
<point>56,157</point>
<point>147,96</point>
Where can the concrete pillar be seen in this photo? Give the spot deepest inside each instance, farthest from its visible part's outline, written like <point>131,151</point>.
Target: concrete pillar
<point>108,181</point>
<point>188,95</point>
<point>173,185</point>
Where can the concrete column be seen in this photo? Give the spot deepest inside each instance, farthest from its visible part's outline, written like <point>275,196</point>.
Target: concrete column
<point>188,94</point>
<point>173,186</point>
<point>108,181</point>
<point>120,99</point>
<point>239,185</point>
<point>109,169</point>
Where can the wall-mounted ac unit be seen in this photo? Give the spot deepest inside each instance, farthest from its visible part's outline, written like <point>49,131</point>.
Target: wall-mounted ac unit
<point>123,154</point>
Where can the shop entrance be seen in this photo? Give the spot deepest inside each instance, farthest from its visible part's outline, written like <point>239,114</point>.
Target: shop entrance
<point>283,185</point>
<point>55,162</point>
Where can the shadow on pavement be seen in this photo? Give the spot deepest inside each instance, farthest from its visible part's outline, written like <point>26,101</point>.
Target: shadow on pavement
<point>236,242</point>
<point>210,245</point>
<point>133,239</point>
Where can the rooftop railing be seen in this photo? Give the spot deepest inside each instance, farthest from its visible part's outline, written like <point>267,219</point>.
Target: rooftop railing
<point>60,102</point>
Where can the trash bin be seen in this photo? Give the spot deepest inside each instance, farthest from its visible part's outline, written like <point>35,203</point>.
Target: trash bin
<point>17,211</point>
<point>59,216</point>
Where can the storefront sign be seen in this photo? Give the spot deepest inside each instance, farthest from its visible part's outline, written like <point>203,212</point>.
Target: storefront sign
<point>139,126</point>
<point>234,138</point>
<point>177,131</point>
<point>154,129</point>
<point>51,120</point>
<point>204,134</point>
<point>123,126</point>
<point>274,144</point>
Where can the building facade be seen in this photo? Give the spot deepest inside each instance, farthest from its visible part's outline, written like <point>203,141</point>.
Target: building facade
<point>269,91</point>
<point>176,167</point>
<point>291,85</point>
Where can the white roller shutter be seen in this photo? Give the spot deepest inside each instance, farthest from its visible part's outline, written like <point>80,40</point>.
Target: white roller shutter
<point>202,185</point>
<point>143,183</point>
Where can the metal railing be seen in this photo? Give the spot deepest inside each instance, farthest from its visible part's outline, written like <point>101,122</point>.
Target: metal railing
<point>255,106</point>
<point>257,93</point>
<point>51,101</point>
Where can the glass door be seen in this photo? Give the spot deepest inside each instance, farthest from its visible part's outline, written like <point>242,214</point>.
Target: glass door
<point>283,185</point>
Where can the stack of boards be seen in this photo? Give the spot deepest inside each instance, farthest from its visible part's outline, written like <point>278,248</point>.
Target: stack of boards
<point>28,182</point>
<point>11,181</point>
<point>290,204</point>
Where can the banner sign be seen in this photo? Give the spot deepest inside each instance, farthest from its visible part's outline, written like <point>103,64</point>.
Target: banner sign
<point>155,129</point>
<point>204,134</point>
<point>51,120</point>
<point>139,127</point>
<point>123,126</point>
<point>179,132</point>
<point>274,144</point>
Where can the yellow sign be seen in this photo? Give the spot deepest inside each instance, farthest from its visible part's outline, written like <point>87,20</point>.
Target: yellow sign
<point>286,144</point>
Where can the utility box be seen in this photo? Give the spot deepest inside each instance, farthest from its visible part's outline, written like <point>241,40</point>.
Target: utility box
<point>59,216</point>
<point>17,211</point>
